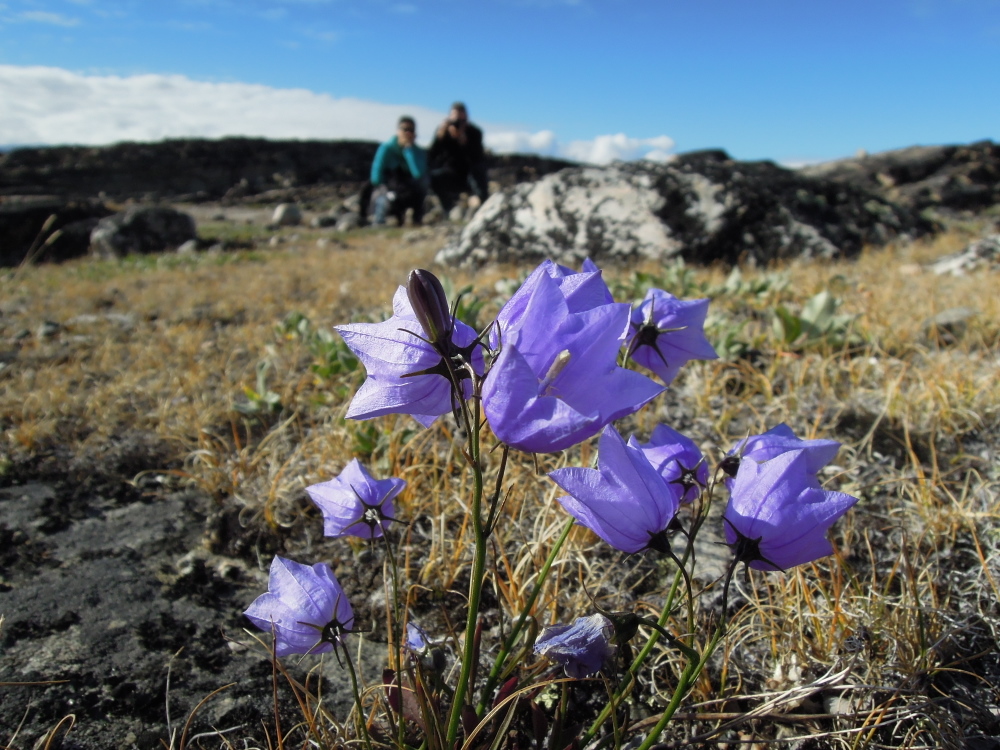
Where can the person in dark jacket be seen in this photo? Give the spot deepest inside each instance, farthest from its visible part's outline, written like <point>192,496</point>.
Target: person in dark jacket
<point>398,177</point>
<point>457,159</point>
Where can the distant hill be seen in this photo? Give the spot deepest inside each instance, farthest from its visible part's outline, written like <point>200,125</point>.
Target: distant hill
<point>212,170</point>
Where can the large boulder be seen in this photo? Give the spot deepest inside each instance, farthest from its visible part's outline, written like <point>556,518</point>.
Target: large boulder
<point>703,207</point>
<point>141,229</point>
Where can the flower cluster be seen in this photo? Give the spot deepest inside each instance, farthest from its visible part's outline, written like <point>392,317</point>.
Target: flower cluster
<point>305,605</point>
<point>555,368</point>
<point>777,516</point>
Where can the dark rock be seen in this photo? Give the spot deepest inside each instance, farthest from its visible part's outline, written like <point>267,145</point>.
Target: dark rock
<point>703,207</point>
<point>955,177</point>
<point>141,229</point>
<point>118,612</point>
<point>58,229</point>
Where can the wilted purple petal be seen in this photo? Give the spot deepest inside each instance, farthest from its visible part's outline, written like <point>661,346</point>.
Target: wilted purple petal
<point>354,503</point>
<point>416,638</point>
<point>581,648</point>
<point>624,501</point>
<point>666,333</point>
<point>306,607</point>
<point>776,506</point>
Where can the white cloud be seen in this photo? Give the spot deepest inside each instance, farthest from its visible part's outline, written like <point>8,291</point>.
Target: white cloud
<point>55,106</point>
<point>601,150</point>
<point>51,106</point>
<point>41,16</point>
<point>514,142</point>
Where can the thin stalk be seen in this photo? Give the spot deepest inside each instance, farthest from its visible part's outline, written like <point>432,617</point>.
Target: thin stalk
<point>508,645</point>
<point>396,634</point>
<point>478,571</point>
<point>357,696</point>
<point>694,668</point>
<point>629,680</point>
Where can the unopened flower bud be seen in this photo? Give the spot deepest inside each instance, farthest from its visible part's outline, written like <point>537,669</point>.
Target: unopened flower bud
<point>429,305</point>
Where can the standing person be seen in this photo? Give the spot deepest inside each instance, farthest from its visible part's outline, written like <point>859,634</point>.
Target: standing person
<point>398,177</point>
<point>457,159</point>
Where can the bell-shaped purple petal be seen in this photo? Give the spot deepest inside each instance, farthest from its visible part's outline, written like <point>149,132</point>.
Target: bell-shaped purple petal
<point>354,503</point>
<point>780,439</point>
<point>392,352</point>
<point>557,381</point>
<point>305,606</point>
<point>581,648</point>
<point>624,500</point>
<point>581,291</point>
<point>677,459</point>
<point>666,333</point>
<point>776,517</point>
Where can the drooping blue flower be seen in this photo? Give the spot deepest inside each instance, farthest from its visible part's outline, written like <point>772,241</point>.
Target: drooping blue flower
<point>581,648</point>
<point>777,517</point>
<point>624,500</point>
<point>666,333</point>
<point>556,381</point>
<point>306,607</point>
<point>677,459</point>
<point>407,373</point>
<point>354,503</point>
<point>776,441</point>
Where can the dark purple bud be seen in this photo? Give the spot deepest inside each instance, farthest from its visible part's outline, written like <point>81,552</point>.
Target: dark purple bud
<point>429,305</point>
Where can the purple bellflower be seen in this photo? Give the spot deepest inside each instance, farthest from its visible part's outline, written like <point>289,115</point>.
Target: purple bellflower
<point>677,459</point>
<point>624,500</point>
<point>354,503</point>
<point>582,291</point>
<point>406,364</point>
<point>581,648</point>
<point>779,439</point>
<point>666,333</point>
<point>306,607</point>
<point>556,381</point>
<point>777,517</point>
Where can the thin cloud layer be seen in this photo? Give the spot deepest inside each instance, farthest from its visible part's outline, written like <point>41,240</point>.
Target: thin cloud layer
<point>52,106</point>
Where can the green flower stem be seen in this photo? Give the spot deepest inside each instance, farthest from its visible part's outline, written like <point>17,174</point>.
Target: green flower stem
<point>478,572</point>
<point>629,680</point>
<point>694,667</point>
<point>357,696</point>
<point>508,645</point>
<point>397,633</point>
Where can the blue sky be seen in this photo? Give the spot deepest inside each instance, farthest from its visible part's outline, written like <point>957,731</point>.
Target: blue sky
<point>788,80</point>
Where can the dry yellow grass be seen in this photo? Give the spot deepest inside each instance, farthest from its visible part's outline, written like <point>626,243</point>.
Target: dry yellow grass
<point>918,421</point>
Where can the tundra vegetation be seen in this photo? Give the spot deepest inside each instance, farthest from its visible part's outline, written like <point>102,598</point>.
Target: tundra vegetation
<point>231,361</point>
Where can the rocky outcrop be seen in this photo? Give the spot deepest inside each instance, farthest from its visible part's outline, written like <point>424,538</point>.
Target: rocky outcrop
<point>233,169</point>
<point>919,177</point>
<point>47,226</point>
<point>702,207</point>
<point>141,229</point>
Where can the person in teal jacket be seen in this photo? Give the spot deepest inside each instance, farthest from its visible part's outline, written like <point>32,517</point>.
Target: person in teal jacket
<point>398,177</point>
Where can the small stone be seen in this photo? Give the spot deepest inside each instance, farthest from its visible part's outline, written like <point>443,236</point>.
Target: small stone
<point>286,215</point>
